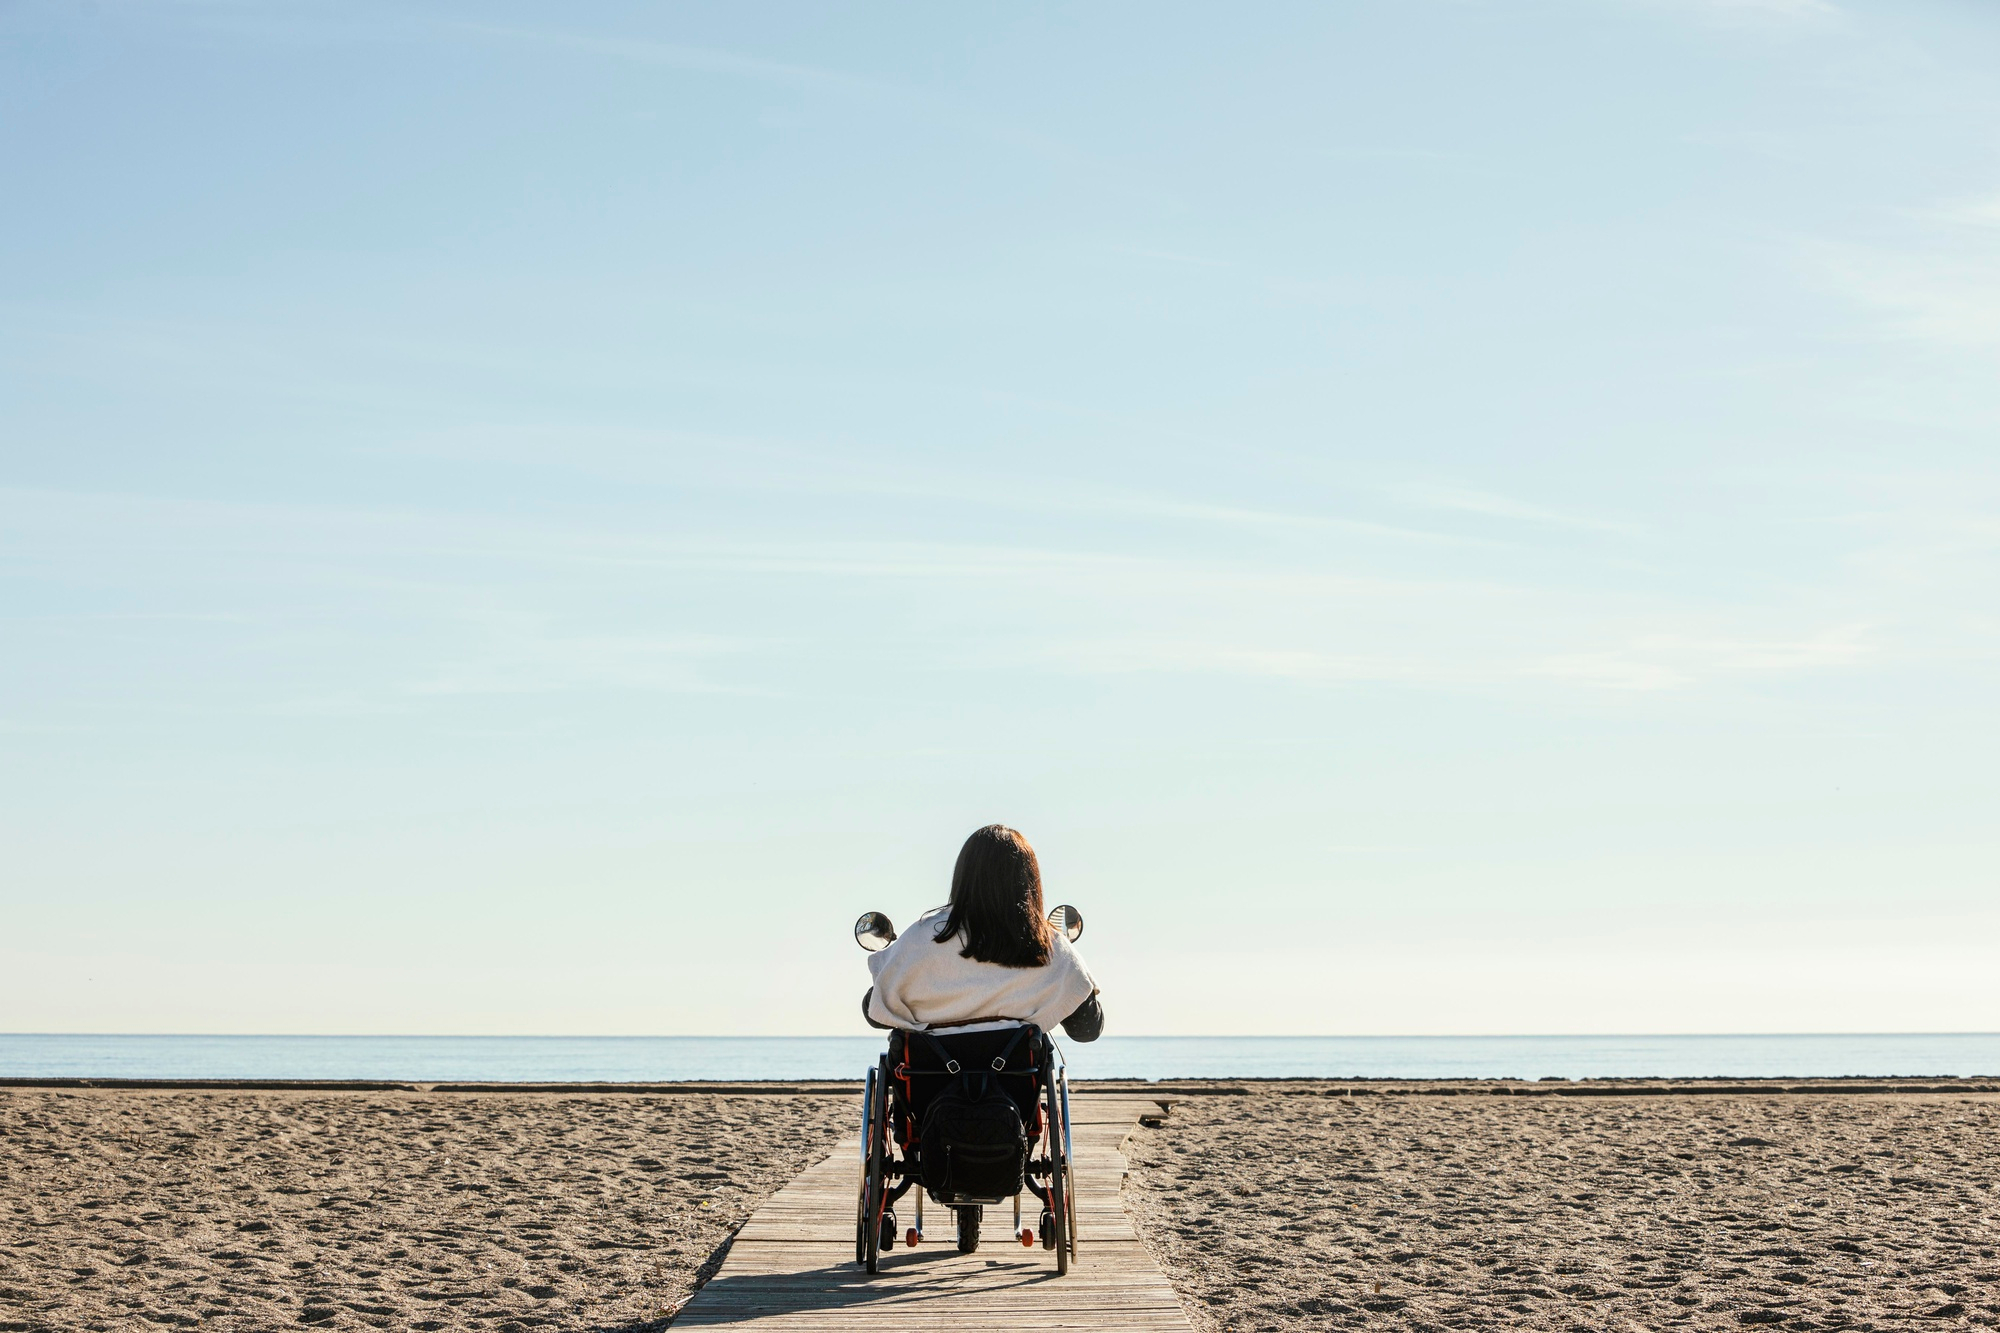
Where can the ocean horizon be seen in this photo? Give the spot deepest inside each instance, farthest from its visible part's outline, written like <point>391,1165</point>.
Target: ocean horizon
<point>564,1059</point>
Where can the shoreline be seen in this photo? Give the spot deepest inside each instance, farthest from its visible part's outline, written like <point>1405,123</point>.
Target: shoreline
<point>1832,1085</point>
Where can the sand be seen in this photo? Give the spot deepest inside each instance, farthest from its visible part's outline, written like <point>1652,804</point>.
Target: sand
<point>265,1210</point>
<point>1270,1211</point>
<point>1274,1212</point>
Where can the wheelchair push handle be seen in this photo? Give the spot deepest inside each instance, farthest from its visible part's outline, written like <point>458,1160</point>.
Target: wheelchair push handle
<point>876,932</point>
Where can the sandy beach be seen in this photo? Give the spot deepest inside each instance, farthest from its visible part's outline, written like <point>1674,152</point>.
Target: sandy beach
<point>1271,1210</point>
<point>262,1210</point>
<point>1275,1212</point>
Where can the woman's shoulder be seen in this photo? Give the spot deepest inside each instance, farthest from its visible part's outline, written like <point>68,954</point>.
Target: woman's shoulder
<point>925,928</point>
<point>1065,954</point>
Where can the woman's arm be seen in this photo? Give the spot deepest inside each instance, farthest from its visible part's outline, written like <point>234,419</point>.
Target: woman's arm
<point>1087,1023</point>
<point>869,994</point>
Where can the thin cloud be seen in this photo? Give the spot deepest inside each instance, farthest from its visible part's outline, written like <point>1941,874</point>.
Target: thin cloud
<point>1649,663</point>
<point>1939,293</point>
<point>515,607</point>
<point>1180,257</point>
<point>1241,516</point>
<point>1983,212</point>
<point>741,463</point>
<point>542,663</point>
<point>673,55</point>
<point>1142,656</point>
<point>1674,661</point>
<point>1750,13</point>
<point>776,73</point>
<point>1492,505</point>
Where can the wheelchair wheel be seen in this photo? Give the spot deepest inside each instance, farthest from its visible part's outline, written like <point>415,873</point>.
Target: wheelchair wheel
<point>861,1201</point>
<point>1055,1096</point>
<point>1069,1178</point>
<point>968,1228</point>
<point>875,1168</point>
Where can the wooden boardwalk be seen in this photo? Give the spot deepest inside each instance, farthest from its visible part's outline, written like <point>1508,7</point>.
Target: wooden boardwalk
<point>791,1268</point>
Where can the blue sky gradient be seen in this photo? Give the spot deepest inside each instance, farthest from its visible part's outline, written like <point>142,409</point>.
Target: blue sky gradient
<point>1434,517</point>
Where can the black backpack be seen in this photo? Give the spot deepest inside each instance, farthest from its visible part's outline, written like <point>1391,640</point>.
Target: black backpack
<point>974,1146</point>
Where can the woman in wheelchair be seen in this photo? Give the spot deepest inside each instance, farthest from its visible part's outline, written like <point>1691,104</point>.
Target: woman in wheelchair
<point>970,1106</point>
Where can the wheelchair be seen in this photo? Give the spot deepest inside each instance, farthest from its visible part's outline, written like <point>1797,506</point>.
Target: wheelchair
<point>905,1085</point>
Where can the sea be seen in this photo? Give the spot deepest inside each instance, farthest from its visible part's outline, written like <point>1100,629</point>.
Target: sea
<point>730,1059</point>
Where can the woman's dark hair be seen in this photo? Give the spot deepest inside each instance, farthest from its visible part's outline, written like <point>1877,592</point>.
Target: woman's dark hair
<point>996,900</point>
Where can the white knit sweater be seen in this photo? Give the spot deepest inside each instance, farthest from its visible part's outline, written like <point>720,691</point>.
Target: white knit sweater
<point>920,983</point>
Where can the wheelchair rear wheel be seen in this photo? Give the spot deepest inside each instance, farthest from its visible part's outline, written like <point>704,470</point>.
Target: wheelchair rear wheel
<point>1062,1191</point>
<point>861,1201</point>
<point>874,1168</point>
<point>1069,1178</point>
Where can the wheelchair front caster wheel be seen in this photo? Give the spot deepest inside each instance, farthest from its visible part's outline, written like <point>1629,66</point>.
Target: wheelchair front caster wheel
<point>912,1237</point>
<point>887,1240</point>
<point>1048,1230</point>
<point>1027,1238</point>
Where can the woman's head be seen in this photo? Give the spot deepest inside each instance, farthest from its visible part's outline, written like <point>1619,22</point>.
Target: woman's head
<point>996,900</point>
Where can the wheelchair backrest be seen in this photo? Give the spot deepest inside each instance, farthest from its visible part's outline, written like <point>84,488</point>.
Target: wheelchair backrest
<point>969,1109</point>
<point>919,1060</point>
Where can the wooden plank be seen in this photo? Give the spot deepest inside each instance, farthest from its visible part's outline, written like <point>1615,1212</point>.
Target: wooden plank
<point>791,1267</point>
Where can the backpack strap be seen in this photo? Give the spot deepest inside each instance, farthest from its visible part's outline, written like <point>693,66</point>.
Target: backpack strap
<point>1000,1060</point>
<point>951,1066</point>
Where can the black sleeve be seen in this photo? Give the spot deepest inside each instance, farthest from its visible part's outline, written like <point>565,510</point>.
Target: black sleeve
<point>1087,1023</point>
<point>868,995</point>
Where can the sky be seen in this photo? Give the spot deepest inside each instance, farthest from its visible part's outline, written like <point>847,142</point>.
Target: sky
<point>1432,516</point>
